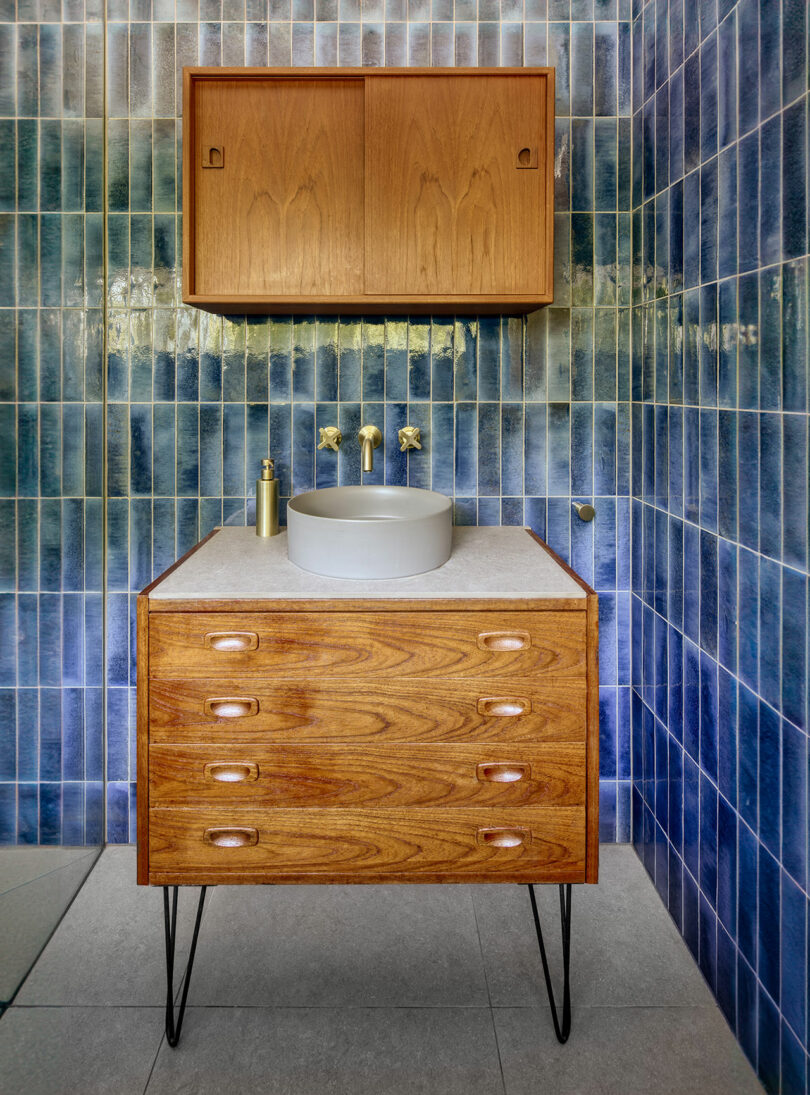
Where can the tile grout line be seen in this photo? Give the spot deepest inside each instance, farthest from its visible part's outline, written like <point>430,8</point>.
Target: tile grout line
<point>489,994</point>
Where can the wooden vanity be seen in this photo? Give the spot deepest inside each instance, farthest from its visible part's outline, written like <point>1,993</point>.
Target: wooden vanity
<point>299,729</point>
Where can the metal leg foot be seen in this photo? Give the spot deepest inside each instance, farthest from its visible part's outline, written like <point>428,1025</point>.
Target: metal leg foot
<point>170,926</point>
<point>562,1030</point>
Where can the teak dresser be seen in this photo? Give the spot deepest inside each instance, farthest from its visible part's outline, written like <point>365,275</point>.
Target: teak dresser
<point>300,729</point>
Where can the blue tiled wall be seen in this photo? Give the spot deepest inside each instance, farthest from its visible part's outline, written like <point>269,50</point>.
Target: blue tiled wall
<point>51,423</point>
<point>720,502</point>
<point>519,416</point>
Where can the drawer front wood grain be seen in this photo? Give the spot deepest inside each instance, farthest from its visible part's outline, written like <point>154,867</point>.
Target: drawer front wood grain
<point>393,775</point>
<point>367,710</point>
<point>526,645</point>
<point>532,844</point>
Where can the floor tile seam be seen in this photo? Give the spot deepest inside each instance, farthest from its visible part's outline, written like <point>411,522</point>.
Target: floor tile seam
<point>153,1066</point>
<point>614,1007</point>
<point>709,1006</point>
<point>489,994</point>
<point>257,1007</point>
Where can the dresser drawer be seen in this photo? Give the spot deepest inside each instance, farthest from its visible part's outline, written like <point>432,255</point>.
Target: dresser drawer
<point>393,775</point>
<point>524,645</point>
<point>245,709</point>
<point>227,846</point>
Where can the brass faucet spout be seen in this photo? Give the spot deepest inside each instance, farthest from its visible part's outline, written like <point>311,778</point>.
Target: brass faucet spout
<point>368,455</point>
<point>369,438</point>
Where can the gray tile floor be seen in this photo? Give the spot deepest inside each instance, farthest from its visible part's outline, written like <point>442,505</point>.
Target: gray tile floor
<point>36,886</point>
<point>366,990</point>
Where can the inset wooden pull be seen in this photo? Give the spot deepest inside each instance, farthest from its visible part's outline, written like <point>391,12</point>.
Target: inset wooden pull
<point>213,156</point>
<point>231,707</point>
<point>504,838</point>
<point>231,838</point>
<point>527,156</point>
<point>231,772</point>
<point>230,641</point>
<point>503,772</point>
<point>504,640</point>
<point>504,707</point>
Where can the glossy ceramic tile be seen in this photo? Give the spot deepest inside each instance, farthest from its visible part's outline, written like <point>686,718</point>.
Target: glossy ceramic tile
<point>721,495</point>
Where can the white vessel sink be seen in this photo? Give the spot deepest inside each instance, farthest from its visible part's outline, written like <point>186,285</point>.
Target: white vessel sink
<point>369,532</point>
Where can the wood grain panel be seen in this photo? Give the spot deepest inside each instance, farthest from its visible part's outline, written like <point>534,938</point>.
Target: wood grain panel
<point>448,208</point>
<point>426,644</point>
<point>501,304</point>
<point>393,775</point>
<point>364,845</point>
<point>366,710</point>
<point>592,749</point>
<point>284,213</point>
<point>142,726</point>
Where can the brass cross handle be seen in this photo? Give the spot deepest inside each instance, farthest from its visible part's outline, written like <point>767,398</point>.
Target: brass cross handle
<point>410,437</point>
<point>331,438</point>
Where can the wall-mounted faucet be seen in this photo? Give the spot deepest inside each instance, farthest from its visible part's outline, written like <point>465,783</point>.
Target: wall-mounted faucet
<point>369,438</point>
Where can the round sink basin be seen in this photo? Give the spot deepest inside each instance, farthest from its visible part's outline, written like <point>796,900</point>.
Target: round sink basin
<point>369,532</point>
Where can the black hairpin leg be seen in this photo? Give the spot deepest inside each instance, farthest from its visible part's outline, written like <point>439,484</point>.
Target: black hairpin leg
<point>561,1030</point>
<point>170,925</point>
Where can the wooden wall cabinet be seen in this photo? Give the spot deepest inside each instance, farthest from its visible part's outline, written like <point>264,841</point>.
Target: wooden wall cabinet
<point>368,190</point>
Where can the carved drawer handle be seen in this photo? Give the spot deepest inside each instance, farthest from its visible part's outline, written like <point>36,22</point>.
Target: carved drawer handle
<point>504,707</point>
<point>504,640</point>
<point>230,641</point>
<point>503,772</point>
<point>231,838</point>
<point>231,707</point>
<point>504,838</point>
<point>231,772</point>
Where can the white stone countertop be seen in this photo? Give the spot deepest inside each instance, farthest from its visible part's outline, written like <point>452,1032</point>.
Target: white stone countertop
<point>500,562</point>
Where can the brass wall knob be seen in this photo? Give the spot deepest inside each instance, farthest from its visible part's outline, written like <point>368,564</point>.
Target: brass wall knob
<point>585,511</point>
<point>331,438</point>
<point>410,437</point>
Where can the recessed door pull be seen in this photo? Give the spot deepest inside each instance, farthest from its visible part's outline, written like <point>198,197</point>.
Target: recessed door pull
<point>503,772</point>
<point>233,837</point>
<point>504,838</point>
<point>504,707</point>
<point>213,156</point>
<point>504,640</point>
<point>231,707</point>
<point>231,641</point>
<point>231,772</point>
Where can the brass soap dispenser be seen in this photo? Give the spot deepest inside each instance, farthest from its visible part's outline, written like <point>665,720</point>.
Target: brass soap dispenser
<point>267,501</point>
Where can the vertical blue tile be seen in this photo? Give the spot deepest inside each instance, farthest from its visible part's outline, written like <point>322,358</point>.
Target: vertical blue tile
<point>466,431</point>
<point>747,899</point>
<point>770,183</point>
<point>708,470</point>
<point>794,181</point>
<point>749,181</point>
<point>769,638</point>
<point>749,618</point>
